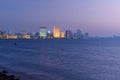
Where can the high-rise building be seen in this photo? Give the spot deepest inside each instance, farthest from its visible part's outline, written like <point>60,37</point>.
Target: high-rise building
<point>79,34</point>
<point>56,32</point>
<point>68,34</point>
<point>43,32</point>
<point>62,35</point>
<point>49,34</point>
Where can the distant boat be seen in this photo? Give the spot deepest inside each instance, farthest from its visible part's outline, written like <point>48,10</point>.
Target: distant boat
<point>15,43</point>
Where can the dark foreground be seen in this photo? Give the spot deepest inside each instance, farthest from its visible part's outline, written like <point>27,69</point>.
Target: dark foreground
<point>5,76</point>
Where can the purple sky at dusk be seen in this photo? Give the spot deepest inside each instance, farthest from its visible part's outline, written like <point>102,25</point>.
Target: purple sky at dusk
<point>97,17</point>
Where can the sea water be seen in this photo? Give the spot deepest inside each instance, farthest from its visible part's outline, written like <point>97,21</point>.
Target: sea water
<point>63,59</point>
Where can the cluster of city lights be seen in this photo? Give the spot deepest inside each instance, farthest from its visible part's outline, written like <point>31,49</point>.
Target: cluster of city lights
<point>44,34</point>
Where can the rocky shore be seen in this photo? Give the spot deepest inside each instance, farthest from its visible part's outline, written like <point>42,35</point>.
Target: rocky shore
<point>5,76</point>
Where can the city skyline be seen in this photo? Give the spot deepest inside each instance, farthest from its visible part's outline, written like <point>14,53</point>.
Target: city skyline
<point>97,17</point>
<point>45,33</point>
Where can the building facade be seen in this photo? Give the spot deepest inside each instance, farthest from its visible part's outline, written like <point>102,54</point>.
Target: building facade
<point>62,35</point>
<point>43,32</point>
<point>56,32</point>
<point>68,34</point>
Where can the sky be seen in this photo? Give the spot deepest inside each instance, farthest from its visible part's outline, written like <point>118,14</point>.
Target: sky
<point>97,17</point>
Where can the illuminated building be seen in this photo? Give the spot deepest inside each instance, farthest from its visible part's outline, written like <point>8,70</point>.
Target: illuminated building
<point>62,34</point>
<point>43,32</point>
<point>26,37</point>
<point>56,32</point>
<point>11,36</point>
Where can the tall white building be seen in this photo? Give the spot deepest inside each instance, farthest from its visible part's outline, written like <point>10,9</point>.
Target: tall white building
<point>43,32</point>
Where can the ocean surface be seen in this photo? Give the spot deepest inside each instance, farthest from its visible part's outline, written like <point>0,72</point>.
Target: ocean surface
<point>61,59</point>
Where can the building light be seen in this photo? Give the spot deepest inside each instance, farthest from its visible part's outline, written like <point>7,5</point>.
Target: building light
<point>62,34</point>
<point>43,32</point>
<point>56,32</point>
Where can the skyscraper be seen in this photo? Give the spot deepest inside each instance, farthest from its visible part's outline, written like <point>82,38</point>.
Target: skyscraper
<point>56,32</point>
<point>68,34</point>
<point>62,35</point>
<point>43,32</point>
<point>79,33</point>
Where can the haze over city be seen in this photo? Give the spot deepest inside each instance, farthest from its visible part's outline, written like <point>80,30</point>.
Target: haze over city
<point>97,17</point>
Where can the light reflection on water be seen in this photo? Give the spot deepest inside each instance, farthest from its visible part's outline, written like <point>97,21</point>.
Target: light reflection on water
<point>68,61</point>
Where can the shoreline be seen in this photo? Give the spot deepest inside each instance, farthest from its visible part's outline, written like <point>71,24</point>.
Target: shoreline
<point>25,76</point>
